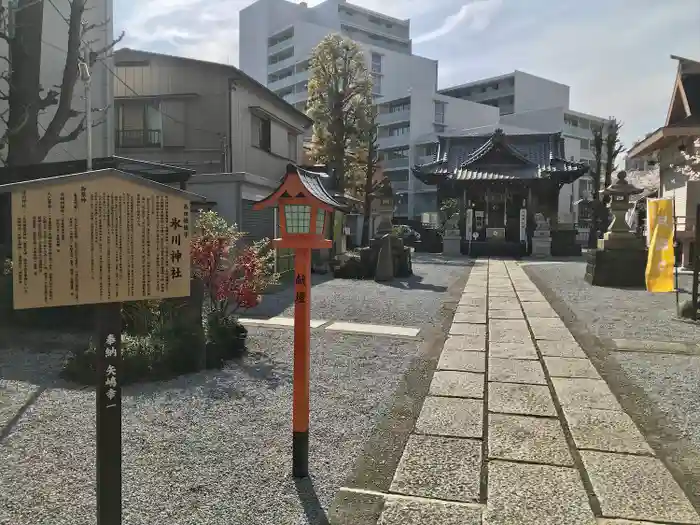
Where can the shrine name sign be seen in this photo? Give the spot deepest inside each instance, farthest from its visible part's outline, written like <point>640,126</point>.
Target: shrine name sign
<point>98,237</point>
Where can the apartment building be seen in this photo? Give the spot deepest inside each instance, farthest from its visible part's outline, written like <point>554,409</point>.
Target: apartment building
<point>408,135</point>
<point>280,35</point>
<point>538,104</point>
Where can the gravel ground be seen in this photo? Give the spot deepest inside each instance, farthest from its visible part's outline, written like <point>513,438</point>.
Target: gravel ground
<point>208,448</point>
<point>414,301</point>
<point>672,382</point>
<point>618,313</point>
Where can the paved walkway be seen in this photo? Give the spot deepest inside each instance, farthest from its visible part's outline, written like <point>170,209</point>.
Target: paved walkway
<point>519,428</point>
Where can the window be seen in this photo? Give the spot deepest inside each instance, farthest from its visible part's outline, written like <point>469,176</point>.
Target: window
<point>261,132</point>
<point>292,144</point>
<point>400,108</point>
<point>393,154</point>
<point>376,84</point>
<point>585,144</point>
<point>439,128</point>
<point>376,63</point>
<point>139,125</point>
<point>398,132</point>
<point>398,176</point>
<point>440,112</point>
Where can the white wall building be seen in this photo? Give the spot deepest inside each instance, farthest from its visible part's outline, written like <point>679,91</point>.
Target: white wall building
<point>277,37</point>
<point>408,129</point>
<point>535,103</point>
<point>53,57</point>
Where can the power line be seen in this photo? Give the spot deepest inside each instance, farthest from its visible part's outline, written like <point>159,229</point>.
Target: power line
<point>64,17</point>
<point>132,90</point>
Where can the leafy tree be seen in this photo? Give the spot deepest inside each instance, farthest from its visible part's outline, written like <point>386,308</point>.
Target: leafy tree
<point>340,91</point>
<point>366,185</point>
<point>613,147</point>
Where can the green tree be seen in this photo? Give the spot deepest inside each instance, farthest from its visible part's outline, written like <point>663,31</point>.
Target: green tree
<point>340,91</point>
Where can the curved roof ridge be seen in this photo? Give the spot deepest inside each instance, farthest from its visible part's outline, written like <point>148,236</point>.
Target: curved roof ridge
<point>497,138</point>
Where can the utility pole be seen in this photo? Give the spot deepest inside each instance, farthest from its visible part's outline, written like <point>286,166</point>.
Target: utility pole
<point>84,67</point>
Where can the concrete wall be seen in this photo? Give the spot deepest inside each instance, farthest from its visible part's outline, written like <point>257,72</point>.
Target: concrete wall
<point>53,56</point>
<point>532,93</point>
<point>248,158</point>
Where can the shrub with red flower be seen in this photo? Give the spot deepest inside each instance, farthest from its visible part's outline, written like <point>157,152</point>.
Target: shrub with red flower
<point>234,276</point>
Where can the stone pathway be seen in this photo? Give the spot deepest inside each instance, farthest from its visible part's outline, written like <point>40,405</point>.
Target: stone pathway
<point>518,427</point>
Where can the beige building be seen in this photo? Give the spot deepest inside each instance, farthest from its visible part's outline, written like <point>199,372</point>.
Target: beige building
<point>666,145</point>
<point>212,118</point>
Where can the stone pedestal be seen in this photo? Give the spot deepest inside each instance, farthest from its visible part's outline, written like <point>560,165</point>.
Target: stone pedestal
<point>621,258</point>
<point>541,238</point>
<point>614,267</point>
<point>452,243</point>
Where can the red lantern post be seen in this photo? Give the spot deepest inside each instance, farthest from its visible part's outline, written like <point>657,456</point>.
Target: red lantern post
<point>305,208</point>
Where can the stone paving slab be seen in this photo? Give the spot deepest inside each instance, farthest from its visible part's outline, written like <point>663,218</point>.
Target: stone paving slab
<point>522,351</point>
<point>606,430</point>
<point>550,329</point>
<point>457,384</point>
<point>473,301</point>
<point>530,439</point>
<point>475,343</point>
<point>403,511</point>
<point>462,361</point>
<point>521,494</point>
<point>581,394</point>
<point>508,331</point>
<point>561,349</point>
<point>471,317</point>
<point>471,309</point>
<point>439,467</point>
<point>637,487</point>
<point>530,297</point>
<point>473,330</point>
<point>516,371</point>
<point>505,314</point>
<point>502,303</point>
<point>570,367</point>
<point>511,398</point>
<point>450,416</point>
<point>539,310</point>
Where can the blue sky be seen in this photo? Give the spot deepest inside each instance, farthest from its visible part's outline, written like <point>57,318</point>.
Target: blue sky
<point>615,54</point>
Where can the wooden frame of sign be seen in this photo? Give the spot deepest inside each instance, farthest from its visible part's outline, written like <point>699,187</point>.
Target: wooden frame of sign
<point>102,237</point>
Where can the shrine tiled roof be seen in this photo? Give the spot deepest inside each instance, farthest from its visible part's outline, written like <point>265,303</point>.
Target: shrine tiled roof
<point>497,157</point>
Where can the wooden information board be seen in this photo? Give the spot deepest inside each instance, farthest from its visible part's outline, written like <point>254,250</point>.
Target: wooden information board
<point>99,237</point>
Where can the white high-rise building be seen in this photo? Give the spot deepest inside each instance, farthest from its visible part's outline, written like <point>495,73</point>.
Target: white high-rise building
<point>527,101</point>
<point>277,37</point>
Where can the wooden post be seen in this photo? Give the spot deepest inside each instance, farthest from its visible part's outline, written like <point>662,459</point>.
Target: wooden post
<point>302,342</point>
<point>109,414</point>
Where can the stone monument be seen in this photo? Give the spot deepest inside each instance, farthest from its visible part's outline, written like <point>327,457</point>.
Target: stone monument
<point>541,237</point>
<point>621,257</point>
<point>452,240</point>
<point>385,261</point>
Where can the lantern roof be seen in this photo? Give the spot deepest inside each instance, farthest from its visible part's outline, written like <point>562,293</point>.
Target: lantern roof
<point>309,180</point>
<point>622,187</point>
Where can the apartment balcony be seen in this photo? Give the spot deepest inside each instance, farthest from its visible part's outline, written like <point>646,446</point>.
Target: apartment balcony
<point>280,46</point>
<point>399,186</point>
<point>393,141</point>
<point>393,164</point>
<point>384,119</point>
<point>281,64</point>
<point>425,159</point>
<point>137,138</point>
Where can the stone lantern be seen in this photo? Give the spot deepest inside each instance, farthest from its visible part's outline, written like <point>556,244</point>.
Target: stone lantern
<point>619,232</point>
<point>621,258</point>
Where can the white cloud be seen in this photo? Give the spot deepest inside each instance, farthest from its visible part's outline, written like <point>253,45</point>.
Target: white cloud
<point>478,15</point>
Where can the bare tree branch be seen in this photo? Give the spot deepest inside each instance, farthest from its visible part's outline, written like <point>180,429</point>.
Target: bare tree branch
<point>95,55</point>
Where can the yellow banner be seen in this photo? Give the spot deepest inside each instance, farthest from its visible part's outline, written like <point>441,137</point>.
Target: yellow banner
<point>661,259</point>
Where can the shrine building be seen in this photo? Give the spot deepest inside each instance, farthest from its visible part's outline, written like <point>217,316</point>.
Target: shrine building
<point>505,180</point>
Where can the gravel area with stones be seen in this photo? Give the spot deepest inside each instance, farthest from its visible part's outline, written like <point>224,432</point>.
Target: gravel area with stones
<point>618,313</point>
<point>413,301</point>
<point>208,448</point>
<point>672,382</point>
